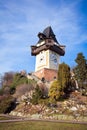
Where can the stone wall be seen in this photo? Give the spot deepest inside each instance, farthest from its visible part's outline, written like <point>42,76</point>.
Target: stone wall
<point>47,74</point>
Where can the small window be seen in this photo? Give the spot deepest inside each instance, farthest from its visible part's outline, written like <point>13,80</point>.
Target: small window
<point>54,77</point>
<point>43,79</point>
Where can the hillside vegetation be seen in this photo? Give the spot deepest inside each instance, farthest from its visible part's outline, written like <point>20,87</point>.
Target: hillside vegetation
<point>25,95</point>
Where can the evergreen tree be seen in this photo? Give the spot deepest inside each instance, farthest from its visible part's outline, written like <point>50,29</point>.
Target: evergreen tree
<point>64,77</point>
<point>81,71</point>
<point>61,86</point>
<point>54,92</point>
<point>37,95</point>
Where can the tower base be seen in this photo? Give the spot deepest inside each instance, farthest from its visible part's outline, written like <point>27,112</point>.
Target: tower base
<point>46,74</point>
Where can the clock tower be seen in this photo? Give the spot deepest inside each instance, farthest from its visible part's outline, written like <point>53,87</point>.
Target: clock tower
<point>47,52</point>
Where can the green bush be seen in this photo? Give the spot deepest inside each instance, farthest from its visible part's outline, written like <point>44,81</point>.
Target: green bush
<point>1,91</point>
<point>55,91</point>
<point>37,95</point>
<point>21,79</point>
<point>44,101</point>
<point>7,103</point>
<point>18,79</point>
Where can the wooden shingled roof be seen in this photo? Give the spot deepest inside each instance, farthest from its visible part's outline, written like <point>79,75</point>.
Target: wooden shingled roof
<point>50,42</point>
<point>47,34</point>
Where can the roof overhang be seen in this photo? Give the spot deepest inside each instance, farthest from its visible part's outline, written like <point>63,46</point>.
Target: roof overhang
<point>47,46</point>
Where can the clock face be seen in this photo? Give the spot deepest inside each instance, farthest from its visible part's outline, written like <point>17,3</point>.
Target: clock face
<point>41,58</point>
<point>54,58</point>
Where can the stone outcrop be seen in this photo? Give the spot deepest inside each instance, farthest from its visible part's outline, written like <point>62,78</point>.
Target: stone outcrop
<point>71,109</point>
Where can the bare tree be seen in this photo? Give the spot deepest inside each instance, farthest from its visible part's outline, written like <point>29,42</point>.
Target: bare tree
<point>24,90</point>
<point>7,79</point>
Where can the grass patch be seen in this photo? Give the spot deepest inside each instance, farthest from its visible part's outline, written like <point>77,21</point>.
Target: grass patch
<point>7,117</point>
<point>38,125</point>
<point>4,118</point>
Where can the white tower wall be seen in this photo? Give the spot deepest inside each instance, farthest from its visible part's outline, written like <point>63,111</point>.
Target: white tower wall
<point>47,59</point>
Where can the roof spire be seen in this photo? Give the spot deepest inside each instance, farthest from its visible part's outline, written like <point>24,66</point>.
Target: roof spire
<point>48,33</point>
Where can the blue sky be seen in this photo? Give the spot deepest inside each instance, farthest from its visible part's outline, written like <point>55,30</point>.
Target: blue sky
<point>22,20</point>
